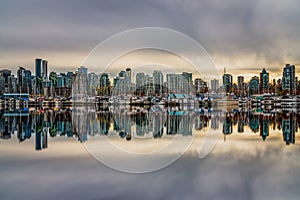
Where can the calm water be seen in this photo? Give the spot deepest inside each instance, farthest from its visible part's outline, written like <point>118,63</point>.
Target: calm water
<point>220,153</point>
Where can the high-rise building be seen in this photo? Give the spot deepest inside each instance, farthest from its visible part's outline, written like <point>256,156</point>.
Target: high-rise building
<point>264,81</point>
<point>11,86</point>
<point>129,74</point>
<point>298,86</point>
<point>83,70</point>
<point>38,67</point>
<point>241,85</point>
<point>227,82</point>
<point>254,85</point>
<point>24,80</point>
<point>41,73</point>
<point>80,85</point>
<point>104,86</point>
<point>173,83</point>
<point>158,81</point>
<point>288,79</point>
<point>186,82</point>
<point>123,85</point>
<point>200,86</point>
<point>2,84</point>
<point>214,85</point>
<point>44,69</point>
<point>140,83</point>
<point>149,85</point>
<point>93,83</point>
<point>4,74</point>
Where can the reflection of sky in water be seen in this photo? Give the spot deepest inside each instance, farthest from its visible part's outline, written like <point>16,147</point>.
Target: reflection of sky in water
<point>242,167</point>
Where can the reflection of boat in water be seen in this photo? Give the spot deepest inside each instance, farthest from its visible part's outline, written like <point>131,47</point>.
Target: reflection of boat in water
<point>24,112</point>
<point>128,136</point>
<point>243,102</point>
<point>288,101</point>
<point>256,101</point>
<point>267,101</point>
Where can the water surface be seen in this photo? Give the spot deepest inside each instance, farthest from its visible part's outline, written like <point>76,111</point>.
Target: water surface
<point>44,155</point>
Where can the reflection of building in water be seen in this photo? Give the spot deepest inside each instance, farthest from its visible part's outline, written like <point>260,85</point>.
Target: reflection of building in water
<point>41,134</point>
<point>215,119</point>
<point>84,122</point>
<point>241,125</point>
<point>201,120</point>
<point>5,128</point>
<point>80,123</point>
<point>24,128</point>
<point>158,124</point>
<point>198,120</point>
<point>241,120</point>
<point>92,124</point>
<point>289,128</point>
<point>141,123</point>
<point>227,126</point>
<point>41,140</point>
<point>254,123</point>
<point>122,121</point>
<point>104,122</point>
<point>264,127</point>
<point>179,122</point>
<point>60,123</point>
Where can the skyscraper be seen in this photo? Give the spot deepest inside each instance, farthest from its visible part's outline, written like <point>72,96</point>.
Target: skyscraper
<point>24,80</point>
<point>80,86</point>
<point>264,81</point>
<point>158,81</point>
<point>140,83</point>
<point>200,86</point>
<point>104,87</point>
<point>129,74</point>
<point>173,83</point>
<point>83,70</point>
<point>214,85</point>
<point>5,73</point>
<point>288,79</point>
<point>241,85</point>
<point>44,69</point>
<point>10,82</point>
<point>149,85</point>
<point>185,82</point>
<point>254,85</point>
<point>38,67</point>
<point>227,82</point>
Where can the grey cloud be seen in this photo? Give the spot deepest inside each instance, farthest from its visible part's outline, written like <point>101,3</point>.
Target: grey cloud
<point>267,29</point>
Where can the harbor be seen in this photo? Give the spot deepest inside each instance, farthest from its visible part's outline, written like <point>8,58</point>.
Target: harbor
<point>270,102</point>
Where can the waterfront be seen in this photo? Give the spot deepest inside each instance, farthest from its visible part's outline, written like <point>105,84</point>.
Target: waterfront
<point>255,156</point>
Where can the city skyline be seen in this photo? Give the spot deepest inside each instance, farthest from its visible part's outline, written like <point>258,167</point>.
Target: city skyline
<point>82,83</point>
<point>247,77</point>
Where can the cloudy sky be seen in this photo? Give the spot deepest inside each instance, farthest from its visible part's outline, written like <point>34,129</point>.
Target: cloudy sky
<point>242,36</point>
